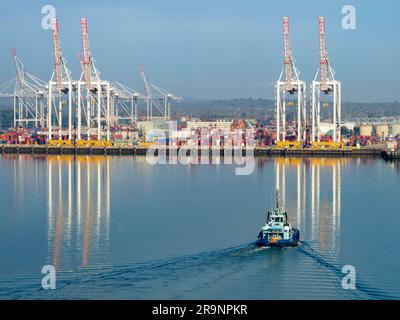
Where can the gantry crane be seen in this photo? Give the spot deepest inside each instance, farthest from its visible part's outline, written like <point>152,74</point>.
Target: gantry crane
<point>157,98</point>
<point>326,85</point>
<point>97,102</point>
<point>28,96</point>
<point>97,109</point>
<point>289,83</point>
<point>60,85</point>
<point>124,107</point>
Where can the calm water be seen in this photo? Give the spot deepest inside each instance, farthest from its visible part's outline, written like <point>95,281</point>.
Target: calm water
<point>117,227</point>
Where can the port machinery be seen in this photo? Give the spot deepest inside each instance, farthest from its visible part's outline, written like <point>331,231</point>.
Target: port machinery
<point>158,100</point>
<point>93,90</point>
<point>28,96</point>
<point>288,84</point>
<point>60,89</point>
<point>94,105</point>
<point>329,86</point>
<point>324,84</point>
<point>124,105</point>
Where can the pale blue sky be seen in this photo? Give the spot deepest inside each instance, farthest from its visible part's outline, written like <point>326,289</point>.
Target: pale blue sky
<point>211,48</point>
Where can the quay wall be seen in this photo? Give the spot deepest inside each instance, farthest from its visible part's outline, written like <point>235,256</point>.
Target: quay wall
<point>134,150</point>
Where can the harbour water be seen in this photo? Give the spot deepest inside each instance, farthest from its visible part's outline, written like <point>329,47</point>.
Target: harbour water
<point>120,228</point>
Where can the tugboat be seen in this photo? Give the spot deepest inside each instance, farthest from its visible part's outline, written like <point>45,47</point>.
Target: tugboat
<point>277,231</point>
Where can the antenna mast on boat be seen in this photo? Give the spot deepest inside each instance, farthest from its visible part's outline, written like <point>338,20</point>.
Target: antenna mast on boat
<point>277,198</point>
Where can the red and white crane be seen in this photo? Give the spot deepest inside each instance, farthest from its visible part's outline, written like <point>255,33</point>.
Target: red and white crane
<point>57,54</point>
<point>287,54</point>
<point>98,92</point>
<point>289,83</point>
<point>60,88</point>
<point>323,54</point>
<point>327,86</point>
<point>86,55</point>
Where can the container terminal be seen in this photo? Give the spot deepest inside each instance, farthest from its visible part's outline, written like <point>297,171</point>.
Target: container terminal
<point>97,116</point>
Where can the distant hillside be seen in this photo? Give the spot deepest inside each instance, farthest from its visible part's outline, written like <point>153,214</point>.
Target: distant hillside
<point>217,109</point>
<point>252,108</point>
<point>6,118</point>
<point>371,110</point>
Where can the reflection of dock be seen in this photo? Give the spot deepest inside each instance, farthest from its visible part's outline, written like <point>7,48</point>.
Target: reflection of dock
<point>301,192</point>
<point>326,216</point>
<point>282,166</point>
<point>78,217</point>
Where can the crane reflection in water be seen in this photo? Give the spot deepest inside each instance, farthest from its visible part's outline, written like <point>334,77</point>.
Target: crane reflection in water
<point>314,207</point>
<point>79,202</point>
<point>78,207</point>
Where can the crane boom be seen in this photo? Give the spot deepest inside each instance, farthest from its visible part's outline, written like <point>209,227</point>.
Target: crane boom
<point>323,54</point>
<point>86,52</point>
<point>144,79</point>
<point>18,65</point>
<point>57,54</point>
<point>287,54</point>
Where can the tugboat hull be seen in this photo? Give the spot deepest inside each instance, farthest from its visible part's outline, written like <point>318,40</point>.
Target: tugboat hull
<point>263,242</point>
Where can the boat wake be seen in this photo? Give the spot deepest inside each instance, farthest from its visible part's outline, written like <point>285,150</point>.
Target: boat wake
<point>80,282</point>
<point>361,286</point>
<point>201,275</point>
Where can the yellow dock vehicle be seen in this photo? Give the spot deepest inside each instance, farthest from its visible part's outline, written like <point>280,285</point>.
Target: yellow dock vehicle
<point>93,143</point>
<point>59,143</point>
<point>289,145</point>
<point>327,145</point>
